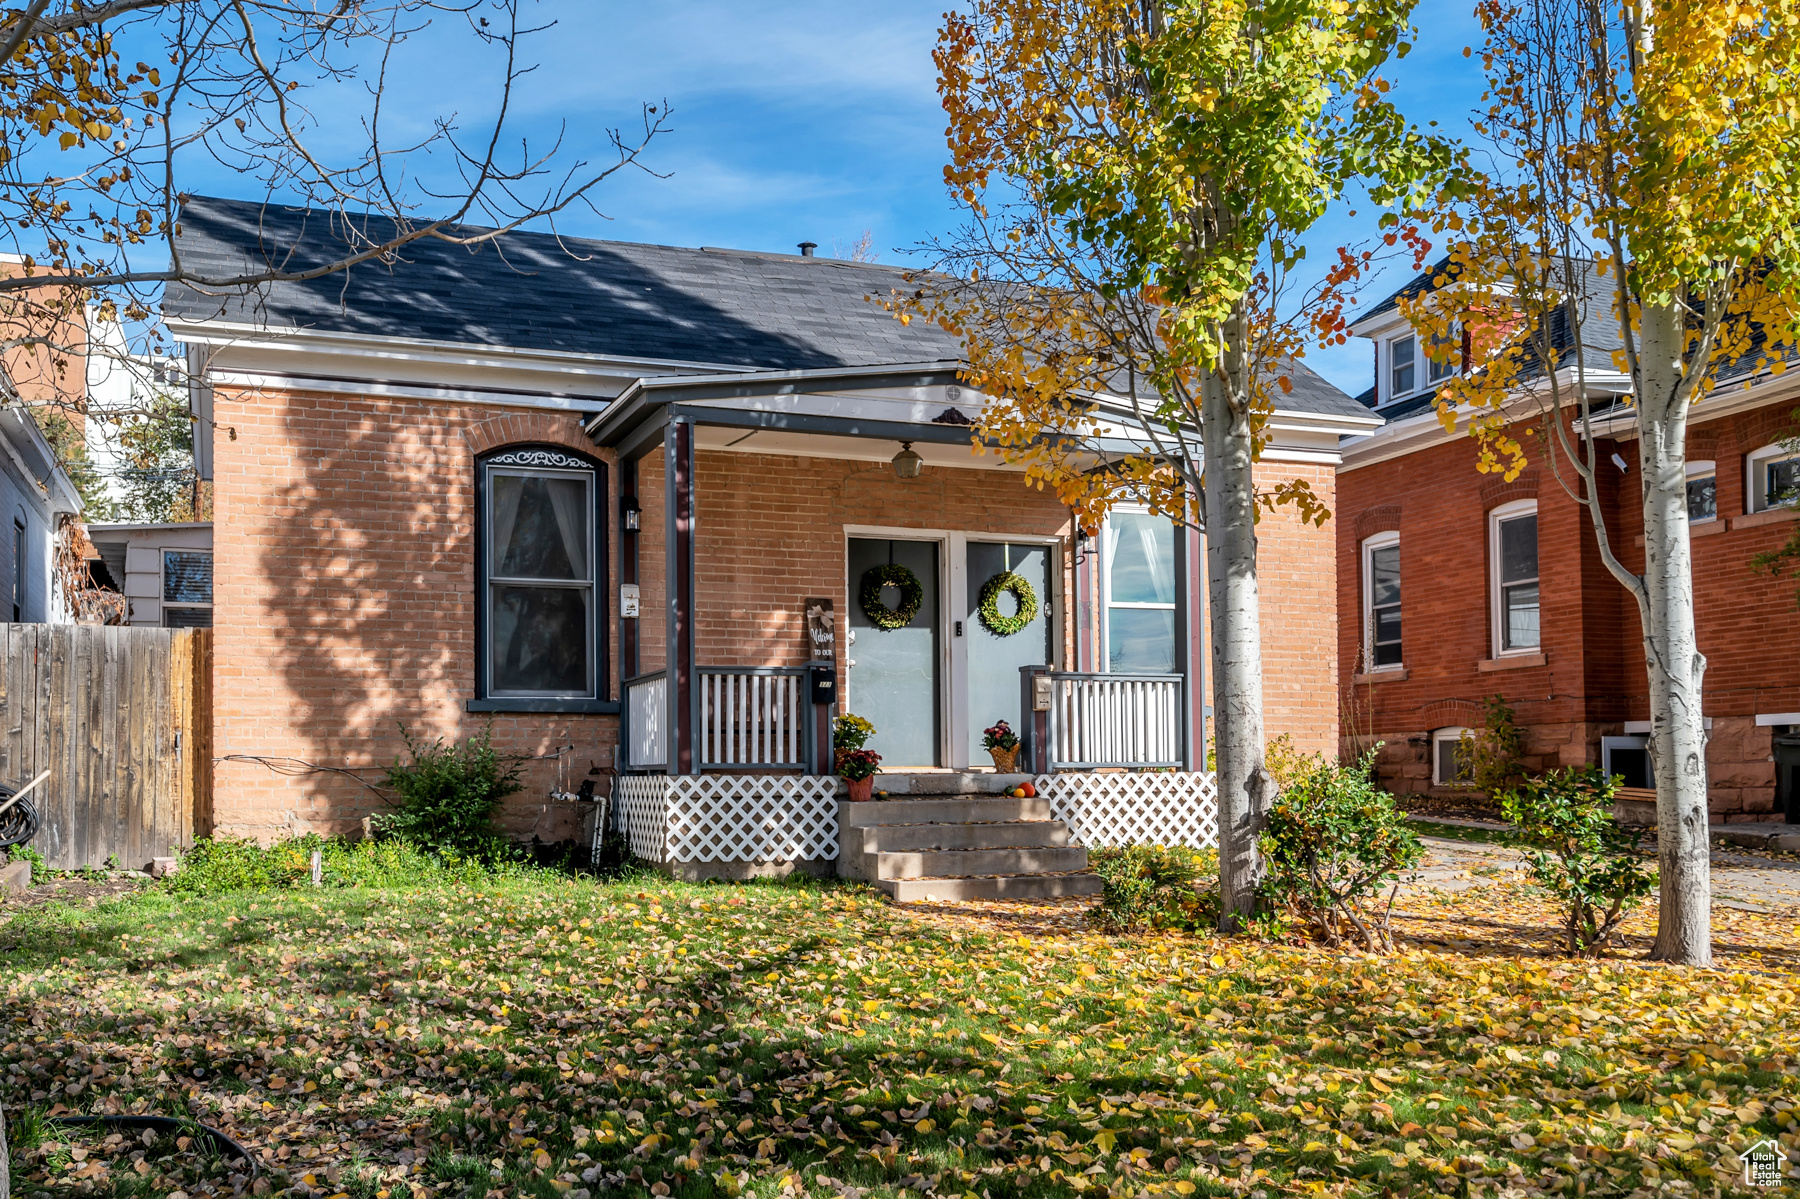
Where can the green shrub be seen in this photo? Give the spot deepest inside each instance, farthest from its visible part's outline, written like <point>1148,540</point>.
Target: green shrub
<point>1579,853</point>
<point>449,794</point>
<point>40,869</point>
<point>1334,840</point>
<point>223,864</point>
<point>1155,887</point>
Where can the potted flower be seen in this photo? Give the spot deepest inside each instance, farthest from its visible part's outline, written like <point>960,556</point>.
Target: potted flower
<point>857,768</point>
<point>854,764</point>
<point>1003,746</point>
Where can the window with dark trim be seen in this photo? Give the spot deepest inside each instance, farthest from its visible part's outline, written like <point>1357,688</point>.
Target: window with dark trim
<point>541,561</point>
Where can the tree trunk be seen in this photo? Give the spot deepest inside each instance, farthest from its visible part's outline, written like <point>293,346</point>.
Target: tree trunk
<point>1236,622</point>
<point>5,1171</point>
<point>1671,650</point>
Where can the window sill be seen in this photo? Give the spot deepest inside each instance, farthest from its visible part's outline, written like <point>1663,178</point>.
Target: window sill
<point>590,707</point>
<point>1396,675</point>
<point>1513,662</point>
<point>1771,516</point>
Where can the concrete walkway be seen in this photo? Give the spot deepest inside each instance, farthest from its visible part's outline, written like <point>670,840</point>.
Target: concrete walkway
<point>1741,878</point>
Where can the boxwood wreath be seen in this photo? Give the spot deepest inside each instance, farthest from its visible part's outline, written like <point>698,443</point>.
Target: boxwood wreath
<point>912,594</point>
<point>989,611</point>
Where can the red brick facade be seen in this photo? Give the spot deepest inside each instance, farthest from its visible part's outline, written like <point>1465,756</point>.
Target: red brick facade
<point>345,601</point>
<point>1591,679</point>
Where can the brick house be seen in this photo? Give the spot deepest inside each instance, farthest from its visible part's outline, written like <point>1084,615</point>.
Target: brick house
<point>1455,586</point>
<point>592,492</point>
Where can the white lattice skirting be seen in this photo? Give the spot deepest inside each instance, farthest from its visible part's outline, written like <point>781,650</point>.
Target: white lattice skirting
<point>1164,808</point>
<point>729,817</point>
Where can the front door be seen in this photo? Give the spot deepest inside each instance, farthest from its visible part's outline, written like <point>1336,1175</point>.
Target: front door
<point>997,653</point>
<point>893,674</point>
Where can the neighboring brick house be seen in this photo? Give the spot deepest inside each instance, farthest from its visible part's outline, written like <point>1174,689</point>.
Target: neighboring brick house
<point>1455,586</point>
<point>455,490</point>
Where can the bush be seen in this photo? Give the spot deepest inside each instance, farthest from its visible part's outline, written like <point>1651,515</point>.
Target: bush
<point>1493,755</point>
<point>1333,841</point>
<point>40,869</point>
<point>1155,887</point>
<point>449,794</point>
<point>223,864</point>
<point>1579,853</point>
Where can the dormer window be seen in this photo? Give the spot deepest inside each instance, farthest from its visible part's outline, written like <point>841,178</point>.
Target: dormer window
<point>1403,353</point>
<point>1443,358</point>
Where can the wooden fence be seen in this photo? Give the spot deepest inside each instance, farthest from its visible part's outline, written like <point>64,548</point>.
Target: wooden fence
<point>121,717</point>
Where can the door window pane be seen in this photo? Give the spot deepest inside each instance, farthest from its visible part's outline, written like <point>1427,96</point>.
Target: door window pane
<point>995,660</point>
<point>893,672</point>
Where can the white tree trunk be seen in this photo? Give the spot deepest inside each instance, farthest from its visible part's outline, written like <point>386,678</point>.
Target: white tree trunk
<point>5,1170</point>
<point>1671,649</point>
<point>1236,624</point>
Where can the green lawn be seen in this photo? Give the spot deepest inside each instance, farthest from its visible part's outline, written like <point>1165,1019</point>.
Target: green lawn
<point>550,1035</point>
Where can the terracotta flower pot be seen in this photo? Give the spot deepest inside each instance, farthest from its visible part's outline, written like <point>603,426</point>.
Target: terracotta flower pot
<point>1006,761</point>
<point>860,789</point>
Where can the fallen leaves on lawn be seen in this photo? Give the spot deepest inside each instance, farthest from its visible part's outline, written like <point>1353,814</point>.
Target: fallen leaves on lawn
<point>559,1037</point>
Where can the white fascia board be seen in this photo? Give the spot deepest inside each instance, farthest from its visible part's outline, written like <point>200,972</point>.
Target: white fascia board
<point>59,490</point>
<point>363,389</point>
<point>918,409</point>
<point>1422,430</point>
<point>229,335</point>
<point>1729,400</point>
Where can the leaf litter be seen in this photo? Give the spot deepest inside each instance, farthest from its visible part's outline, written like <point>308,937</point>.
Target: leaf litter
<point>559,1037</point>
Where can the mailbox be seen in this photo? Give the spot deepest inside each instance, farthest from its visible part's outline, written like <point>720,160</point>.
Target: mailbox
<point>824,684</point>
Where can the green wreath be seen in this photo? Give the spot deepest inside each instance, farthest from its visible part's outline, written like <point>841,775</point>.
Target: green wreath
<point>993,589</point>
<point>912,594</point>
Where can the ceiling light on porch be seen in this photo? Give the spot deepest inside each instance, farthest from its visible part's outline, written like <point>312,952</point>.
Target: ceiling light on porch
<point>906,462</point>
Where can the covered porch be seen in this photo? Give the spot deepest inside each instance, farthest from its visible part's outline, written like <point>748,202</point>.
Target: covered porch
<point>798,544</point>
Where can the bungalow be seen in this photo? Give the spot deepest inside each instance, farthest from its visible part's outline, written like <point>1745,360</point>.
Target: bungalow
<point>654,514</point>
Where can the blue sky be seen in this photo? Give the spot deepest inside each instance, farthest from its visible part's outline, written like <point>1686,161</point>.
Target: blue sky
<point>801,120</point>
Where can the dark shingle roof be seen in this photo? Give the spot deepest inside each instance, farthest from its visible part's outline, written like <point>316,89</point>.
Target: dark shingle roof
<point>537,291</point>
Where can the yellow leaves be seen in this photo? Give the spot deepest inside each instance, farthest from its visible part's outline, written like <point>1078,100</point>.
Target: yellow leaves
<point>1105,1139</point>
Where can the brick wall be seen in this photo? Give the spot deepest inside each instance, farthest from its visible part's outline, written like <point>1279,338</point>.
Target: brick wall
<point>1594,678</point>
<point>344,603</point>
<point>1295,567</point>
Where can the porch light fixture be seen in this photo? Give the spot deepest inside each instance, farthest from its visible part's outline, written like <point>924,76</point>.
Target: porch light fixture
<point>628,513</point>
<point>906,462</point>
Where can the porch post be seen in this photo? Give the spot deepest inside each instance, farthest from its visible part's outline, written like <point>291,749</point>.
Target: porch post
<point>1187,642</point>
<point>678,524</point>
<point>630,654</point>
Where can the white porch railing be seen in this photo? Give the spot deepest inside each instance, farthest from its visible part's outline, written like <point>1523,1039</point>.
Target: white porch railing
<point>646,721</point>
<point>1130,720</point>
<point>754,716</point>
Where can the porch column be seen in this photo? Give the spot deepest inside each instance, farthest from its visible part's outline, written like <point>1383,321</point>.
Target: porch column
<point>630,654</point>
<point>678,537</point>
<point>1190,656</point>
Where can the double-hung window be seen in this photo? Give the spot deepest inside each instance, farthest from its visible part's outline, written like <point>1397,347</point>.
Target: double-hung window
<point>1403,366</point>
<point>1513,552</point>
<point>1444,357</point>
<point>1381,601</point>
<point>1774,480</point>
<point>539,573</point>
<point>1139,580</point>
<point>1702,492</point>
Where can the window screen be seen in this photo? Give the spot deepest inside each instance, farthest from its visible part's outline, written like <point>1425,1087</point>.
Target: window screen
<point>187,577</point>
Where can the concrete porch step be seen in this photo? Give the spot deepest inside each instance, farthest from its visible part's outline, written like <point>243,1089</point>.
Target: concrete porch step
<point>963,863</point>
<point>952,809</point>
<point>1004,834</point>
<point>1006,886</point>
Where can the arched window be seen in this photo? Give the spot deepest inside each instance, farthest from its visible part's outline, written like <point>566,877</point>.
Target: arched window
<point>541,551</point>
